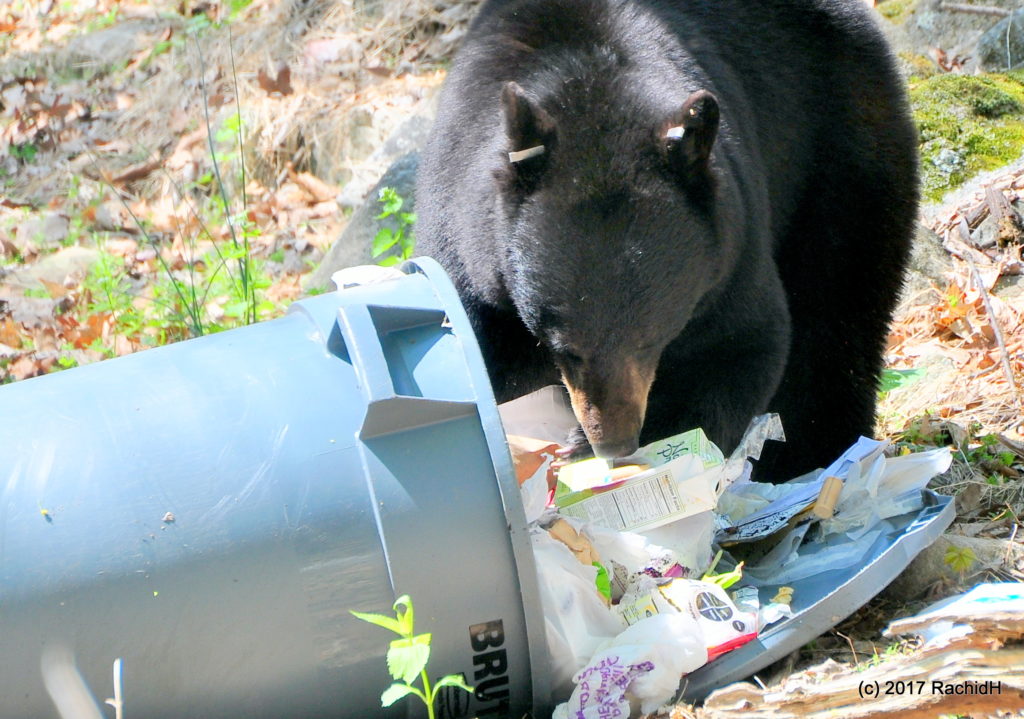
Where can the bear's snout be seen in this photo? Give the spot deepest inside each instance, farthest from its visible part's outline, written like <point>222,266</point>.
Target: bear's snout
<point>610,404</point>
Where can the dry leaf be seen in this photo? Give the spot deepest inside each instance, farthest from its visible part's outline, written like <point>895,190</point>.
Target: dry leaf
<point>25,367</point>
<point>137,172</point>
<point>9,334</point>
<point>319,190</point>
<point>281,82</point>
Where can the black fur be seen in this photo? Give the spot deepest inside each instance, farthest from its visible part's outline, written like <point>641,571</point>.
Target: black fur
<point>754,261</point>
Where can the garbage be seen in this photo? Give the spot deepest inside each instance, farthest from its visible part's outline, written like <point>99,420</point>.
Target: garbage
<point>992,612</point>
<point>641,665</point>
<point>962,668</point>
<point>633,543</point>
<point>875,489</point>
<point>631,498</point>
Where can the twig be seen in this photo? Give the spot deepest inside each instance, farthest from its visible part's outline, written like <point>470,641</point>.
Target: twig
<point>1009,543</point>
<point>1004,356</point>
<point>974,9</point>
<point>850,642</point>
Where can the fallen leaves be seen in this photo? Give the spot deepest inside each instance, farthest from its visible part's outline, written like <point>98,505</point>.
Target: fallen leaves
<point>279,84</point>
<point>973,321</point>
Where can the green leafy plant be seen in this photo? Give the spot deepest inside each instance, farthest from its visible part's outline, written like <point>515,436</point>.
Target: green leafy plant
<point>222,288</point>
<point>895,378</point>
<point>407,658</point>
<point>26,152</point>
<point>959,559</point>
<point>399,238</point>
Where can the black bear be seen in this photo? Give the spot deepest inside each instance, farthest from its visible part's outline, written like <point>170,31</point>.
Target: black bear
<point>689,211</point>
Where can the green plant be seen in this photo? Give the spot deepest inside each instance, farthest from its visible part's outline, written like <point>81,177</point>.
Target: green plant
<point>893,650</point>
<point>217,291</point>
<point>399,238</point>
<point>891,379</point>
<point>959,559</point>
<point>26,152</point>
<point>407,658</point>
<point>103,21</point>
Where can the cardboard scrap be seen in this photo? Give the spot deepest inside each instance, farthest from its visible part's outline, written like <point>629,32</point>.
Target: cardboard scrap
<point>909,688</point>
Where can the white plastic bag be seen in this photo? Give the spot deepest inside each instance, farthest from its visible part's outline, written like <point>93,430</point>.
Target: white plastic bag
<point>576,619</point>
<point>642,664</point>
<point>880,489</point>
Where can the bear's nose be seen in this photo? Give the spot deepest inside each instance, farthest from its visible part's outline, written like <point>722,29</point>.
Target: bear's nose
<point>612,450</point>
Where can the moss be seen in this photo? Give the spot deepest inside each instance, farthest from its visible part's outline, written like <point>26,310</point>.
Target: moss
<point>967,124</point>
<point>918,67</point>
<point>897,11</point>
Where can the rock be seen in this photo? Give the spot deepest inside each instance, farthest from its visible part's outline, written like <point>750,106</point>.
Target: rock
<point>929,262</point>
<point>930,566</point>
<point>409,136</point>
<point>73,262</point>
<point>45,231</point>
<point>1001,48</point>
<point>948,161</point>
<point>928,25</point>
<point>353,247</point>
<point>108,45</point>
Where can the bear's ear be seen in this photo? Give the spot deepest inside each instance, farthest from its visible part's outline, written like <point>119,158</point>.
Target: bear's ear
<point>690,134</point>
<point>529,128</point>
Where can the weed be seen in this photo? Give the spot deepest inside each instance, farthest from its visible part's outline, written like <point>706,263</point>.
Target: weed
<point>407,658</point>
<point>103,21</point>
<point>217,291</point>
<point>891,379</point>
<point>398,238</point>
<point>25,152</point>
<point>959,559</point>
<point>892,651</point>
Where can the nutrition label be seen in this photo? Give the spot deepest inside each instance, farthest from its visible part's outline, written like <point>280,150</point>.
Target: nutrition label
<point>633,505</point>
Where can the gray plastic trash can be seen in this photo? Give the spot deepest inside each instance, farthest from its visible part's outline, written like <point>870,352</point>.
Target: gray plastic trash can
<point>211,511</point>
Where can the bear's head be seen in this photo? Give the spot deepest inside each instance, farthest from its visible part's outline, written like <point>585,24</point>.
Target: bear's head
<point>606,216</point>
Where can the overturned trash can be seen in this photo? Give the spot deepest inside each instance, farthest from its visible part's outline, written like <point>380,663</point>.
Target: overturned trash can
<point>209,512</point>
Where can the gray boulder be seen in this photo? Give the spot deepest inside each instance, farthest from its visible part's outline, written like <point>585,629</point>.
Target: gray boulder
<point>353,247</point>
<point>1001,48</point>
<point>928,265</point>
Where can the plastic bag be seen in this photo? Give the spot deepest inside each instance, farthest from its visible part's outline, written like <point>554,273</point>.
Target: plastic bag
<point>642,665</point>
<point>576,620</point>
<point>883,488</point>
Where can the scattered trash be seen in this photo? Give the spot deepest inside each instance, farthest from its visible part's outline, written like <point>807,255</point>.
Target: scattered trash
<point>621,550</point>
<point>985,617</point>
<point>961,669</point>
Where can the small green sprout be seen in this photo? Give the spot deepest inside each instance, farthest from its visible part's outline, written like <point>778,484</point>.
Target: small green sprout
<point>407,657</point>
<point>959,559</point>
<point>400,239</point>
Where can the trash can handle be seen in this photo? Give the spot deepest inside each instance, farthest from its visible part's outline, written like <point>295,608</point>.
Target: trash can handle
<point>365,351</point>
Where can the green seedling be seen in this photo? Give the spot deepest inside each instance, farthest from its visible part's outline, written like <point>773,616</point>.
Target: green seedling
<point>407,658</point>
<point>959,559</point>
<point>891,379</point>
<point>400,238</point>
<point>26,152</point>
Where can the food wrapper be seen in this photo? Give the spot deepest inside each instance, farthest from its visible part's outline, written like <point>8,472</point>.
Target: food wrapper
<point>679,484</point>
<point>723,626</point>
